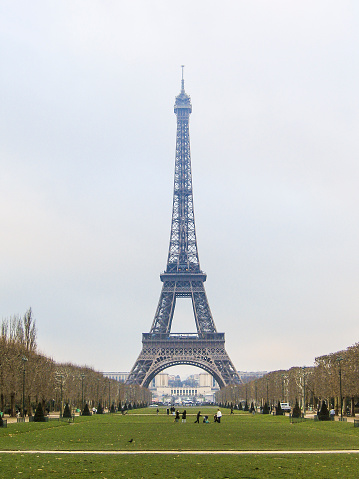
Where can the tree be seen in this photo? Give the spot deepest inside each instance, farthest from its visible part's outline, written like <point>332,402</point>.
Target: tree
<point>99,409</point>
<point>265,408</point>
<point>67,411</point>
<point>86,411</point>
<point>279,410</point>
<point>29,330</point>
<point>39,414</point>
<point>324,413</point>
<point>297,412</point>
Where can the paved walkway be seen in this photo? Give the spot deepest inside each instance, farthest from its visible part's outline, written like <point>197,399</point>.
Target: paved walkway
<point>309,415</point>
<point>336,451</point>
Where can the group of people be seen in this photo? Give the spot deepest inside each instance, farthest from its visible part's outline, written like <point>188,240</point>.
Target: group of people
<point>175,412</point>
<point>216,417</point>
<point>184,416</point>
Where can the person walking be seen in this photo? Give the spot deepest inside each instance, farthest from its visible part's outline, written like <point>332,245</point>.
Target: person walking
<point>198,416</point>
<point>219,415</point>
<point>177,416</point>
<point>184,414</point>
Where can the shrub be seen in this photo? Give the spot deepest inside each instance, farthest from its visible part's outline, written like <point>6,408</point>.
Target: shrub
<point>240,407</point>
<point>265,408</point>
<point>39,414</point>
<point>99,409</point>
<point>86,411</point>
<point>252,408</point>
<point>1,421</point>
<point>246,408</point>
<point>279,410</point>
<point>297,412</point>
<point>112,408</point>
<point>324,413</point>
<point>67,411</point>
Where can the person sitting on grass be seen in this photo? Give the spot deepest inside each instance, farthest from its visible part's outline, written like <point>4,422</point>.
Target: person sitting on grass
<point>205,420</point>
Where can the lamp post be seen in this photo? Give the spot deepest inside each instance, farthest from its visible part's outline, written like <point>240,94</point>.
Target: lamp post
<point>255,388</point>
<point>24,360</point>
<point>61,377</point>
<point>303,391</point>
<point>267,392</point>
<point>109,394</point>
<point>340,359</point>
<point>82,387</point>
<point>98,394</point>
<point>283,388</point>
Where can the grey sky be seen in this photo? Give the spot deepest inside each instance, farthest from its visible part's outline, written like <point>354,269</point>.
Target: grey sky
<point>87,143</point>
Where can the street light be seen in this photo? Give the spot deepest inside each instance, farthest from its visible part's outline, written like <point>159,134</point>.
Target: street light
<point>340,359</point>
<point>283,388</point>
<point>60,376</point>
<point>24,360</point>
<point>255,387</point>
<point>303,390</point>
<point>82,387</point>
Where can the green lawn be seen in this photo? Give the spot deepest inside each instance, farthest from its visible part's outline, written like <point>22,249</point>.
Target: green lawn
<point>151,433</point>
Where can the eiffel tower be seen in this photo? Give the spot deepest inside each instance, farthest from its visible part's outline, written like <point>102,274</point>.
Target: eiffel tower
<point>183,278</point>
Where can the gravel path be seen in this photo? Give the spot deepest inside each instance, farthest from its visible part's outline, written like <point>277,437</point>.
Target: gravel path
<point>337,451</point>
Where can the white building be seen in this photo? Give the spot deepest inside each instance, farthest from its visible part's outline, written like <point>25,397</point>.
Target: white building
<point>202,389</point>
<point>121,377</point>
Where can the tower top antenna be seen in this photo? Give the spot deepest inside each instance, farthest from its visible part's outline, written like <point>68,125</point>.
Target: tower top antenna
<point>182,83</point>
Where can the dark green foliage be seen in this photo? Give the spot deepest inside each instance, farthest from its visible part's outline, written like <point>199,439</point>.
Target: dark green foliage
<point>297,412</point>
<point>99,409</point>
<point>246,407</point>
<point>265,408</point>
<point>39,414</point>
<point>119,406</point>
<point>129,406</point>
<point>279,410</point>
<point>125,407</point>
<point>240,406</point>
<point>324,413</point>
<point>252,408</point>
<point>67,411</point>
<point>1,421</point>
<point>112,408</point>
<point>86,411</point>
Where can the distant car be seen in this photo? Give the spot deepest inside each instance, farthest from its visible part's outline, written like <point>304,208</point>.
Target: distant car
<point>153,405</point>
<point>285,406</point>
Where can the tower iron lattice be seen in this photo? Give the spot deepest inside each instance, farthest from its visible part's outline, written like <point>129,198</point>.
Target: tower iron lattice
<point>183,277</point>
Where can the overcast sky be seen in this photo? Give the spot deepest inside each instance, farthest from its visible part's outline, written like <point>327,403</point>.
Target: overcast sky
<point>87,150</point>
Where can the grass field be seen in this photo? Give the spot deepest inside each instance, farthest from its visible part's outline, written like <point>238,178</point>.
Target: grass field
<point>149,432</point>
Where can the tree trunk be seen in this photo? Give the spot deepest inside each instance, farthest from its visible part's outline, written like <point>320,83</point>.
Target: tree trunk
<point>29,409</point>
<point>12,405</point>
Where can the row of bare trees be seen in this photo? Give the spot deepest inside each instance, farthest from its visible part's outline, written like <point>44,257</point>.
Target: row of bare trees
<point>334,378</point>
<point>27,377</point>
